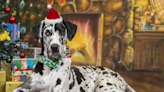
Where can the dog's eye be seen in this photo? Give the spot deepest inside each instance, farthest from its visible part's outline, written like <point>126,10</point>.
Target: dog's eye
<point>61,33</point>
<point>48,33</point>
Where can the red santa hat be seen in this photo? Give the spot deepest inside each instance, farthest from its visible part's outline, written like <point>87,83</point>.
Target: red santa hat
<point>52,16</point>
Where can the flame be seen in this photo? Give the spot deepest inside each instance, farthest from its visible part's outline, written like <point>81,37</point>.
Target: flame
<point>82,45</point>
<point>60,2</point>
<point>50,2</point>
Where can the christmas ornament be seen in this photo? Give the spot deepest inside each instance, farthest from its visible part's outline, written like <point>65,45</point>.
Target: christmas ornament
<point>32,17</point>
<point>23,30</point>
<point>38,5</point>
<point>31,45</point>
<point>8,9</point>
<point>2,6</point>
<point>30,4</point>
<point>26,37</point>
<point>20,13</point>
<point>7,1</point>
<point>9,59</point>
<point>4,36</point>
<point>2,22</point>
<point>2,12</point>
<point>15,3</point>
<point>22,4</point>
<point>14,12</point>
<point>22,55</point>
<point>27,12</point>
<point>39,15</point>
<point>24,17</point>
<point>12,19</point>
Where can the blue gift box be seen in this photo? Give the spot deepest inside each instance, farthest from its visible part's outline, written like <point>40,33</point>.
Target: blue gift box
<point>15,31</point>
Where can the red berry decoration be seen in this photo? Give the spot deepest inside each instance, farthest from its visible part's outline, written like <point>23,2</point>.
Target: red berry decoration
<point>12,19</point>
<point>22,55</point>
<point>8,9</point>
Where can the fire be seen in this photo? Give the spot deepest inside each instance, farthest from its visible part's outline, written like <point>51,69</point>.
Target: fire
<point>82,45</point>
<point>60,2</point>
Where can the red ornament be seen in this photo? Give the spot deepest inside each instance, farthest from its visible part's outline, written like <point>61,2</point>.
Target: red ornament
<point>12,19</point>
<point>2,22</point>
<point>8,9</point>
<point>38,5</point>
<point>27,12</point>
<point>22,55</point>
<point>24,17</point>
<point>15,3</point>
<point>26,37</point>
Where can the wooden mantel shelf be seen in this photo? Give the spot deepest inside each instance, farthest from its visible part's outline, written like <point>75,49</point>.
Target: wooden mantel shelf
<point>149,33</point>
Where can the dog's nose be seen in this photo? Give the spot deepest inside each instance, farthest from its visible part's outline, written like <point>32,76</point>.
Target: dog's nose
<point>54,47</point>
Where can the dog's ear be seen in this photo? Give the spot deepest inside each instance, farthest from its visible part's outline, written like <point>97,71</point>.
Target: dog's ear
<point>71,29</point>
<point>37,30</point>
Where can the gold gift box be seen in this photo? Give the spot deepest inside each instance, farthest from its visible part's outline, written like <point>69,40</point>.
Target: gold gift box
<point>10,86</point>
<point>2,81</point>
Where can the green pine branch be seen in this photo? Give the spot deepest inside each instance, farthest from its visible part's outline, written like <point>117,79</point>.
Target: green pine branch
<point>9,49</point>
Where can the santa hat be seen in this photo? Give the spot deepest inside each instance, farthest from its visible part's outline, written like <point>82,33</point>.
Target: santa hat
<point>52,16</point>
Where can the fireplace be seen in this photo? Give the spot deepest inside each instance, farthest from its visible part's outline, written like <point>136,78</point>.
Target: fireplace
<point>86,46</point>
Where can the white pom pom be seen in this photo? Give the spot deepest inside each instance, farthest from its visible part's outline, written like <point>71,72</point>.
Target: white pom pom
<point>49,6</point>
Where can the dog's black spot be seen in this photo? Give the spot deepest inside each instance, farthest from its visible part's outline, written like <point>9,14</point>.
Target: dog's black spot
<point>78,74</point>
<point>58,82</point>
<point>108,83</point>
<point>120,79</point>
<point>62,64</point>
<point>61,28</point>
<point>39,68</point>
<point>20,91</point>
<point>100,67</point>
<point>105,72</point>
<point>94,68</point>
<point>101,86</point>
<point>84,68</point>
<point>114,74</point>
<point>52,68</point>
<point>81,89</point>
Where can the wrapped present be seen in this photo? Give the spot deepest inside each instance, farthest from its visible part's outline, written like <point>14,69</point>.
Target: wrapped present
<point>8,68</point>
<point>22,68</point>
<point>32,52</point>
<point>15,31</point>
<point>10,86</point>
<point>2,81</point>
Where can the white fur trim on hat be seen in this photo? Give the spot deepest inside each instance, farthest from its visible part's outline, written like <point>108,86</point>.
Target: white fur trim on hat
<point>49,6</point>
<point>53,21</point>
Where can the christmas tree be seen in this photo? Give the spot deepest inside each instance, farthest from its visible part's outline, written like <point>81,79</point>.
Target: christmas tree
<point>7,47</point>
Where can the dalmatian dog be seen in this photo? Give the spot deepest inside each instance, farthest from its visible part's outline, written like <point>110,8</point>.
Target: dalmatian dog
<point>65,78</point>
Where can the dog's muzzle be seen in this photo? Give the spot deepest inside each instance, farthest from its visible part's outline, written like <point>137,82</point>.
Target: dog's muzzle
<point>55,51</point>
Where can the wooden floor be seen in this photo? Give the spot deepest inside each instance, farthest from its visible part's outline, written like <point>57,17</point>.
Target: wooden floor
<point>144,81</point>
